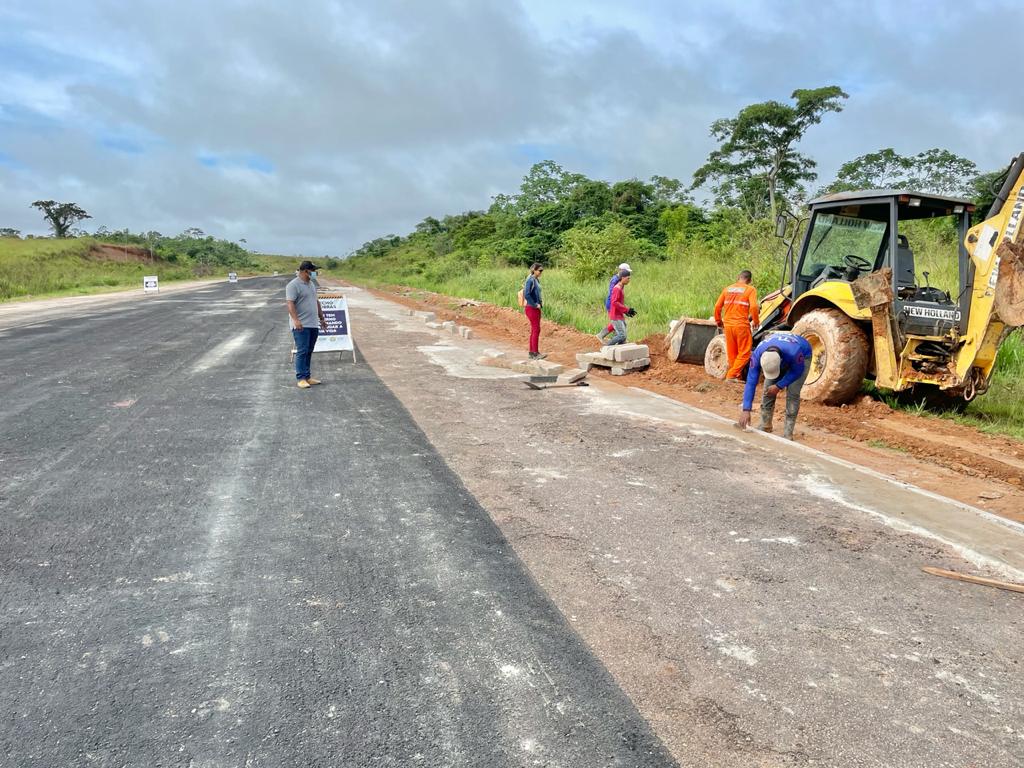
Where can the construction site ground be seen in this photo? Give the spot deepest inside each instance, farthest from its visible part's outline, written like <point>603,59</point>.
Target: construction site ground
<point>760,603</point>
<point>938,454</point>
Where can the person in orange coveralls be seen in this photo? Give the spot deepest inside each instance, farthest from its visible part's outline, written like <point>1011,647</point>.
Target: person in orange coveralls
<point>736,313</point>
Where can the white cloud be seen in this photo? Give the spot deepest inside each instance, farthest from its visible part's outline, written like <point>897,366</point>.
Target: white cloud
<point>376,115</point>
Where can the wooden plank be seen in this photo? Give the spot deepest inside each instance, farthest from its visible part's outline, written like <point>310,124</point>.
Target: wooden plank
<point>973,579</point>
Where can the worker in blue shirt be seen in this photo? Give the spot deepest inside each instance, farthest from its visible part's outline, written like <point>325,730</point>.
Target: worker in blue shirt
<point>785,359</point>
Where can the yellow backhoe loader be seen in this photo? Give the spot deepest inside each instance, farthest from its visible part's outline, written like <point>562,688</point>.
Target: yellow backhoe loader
<point>854,290</point>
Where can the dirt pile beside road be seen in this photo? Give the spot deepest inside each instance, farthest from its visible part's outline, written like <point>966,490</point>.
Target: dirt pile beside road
<point>952,459</point>
<point>106,252</point>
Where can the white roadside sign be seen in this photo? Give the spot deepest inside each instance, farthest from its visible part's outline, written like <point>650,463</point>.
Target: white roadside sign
<point>150,284</point>
<point>338,336</point>
<point>232,277</point>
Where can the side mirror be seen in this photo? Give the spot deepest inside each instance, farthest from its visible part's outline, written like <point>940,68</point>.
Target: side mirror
<point>780,225</point>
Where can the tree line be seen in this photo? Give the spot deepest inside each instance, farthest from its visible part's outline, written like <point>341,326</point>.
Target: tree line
<point>755,171</point>
<point>192,247</point>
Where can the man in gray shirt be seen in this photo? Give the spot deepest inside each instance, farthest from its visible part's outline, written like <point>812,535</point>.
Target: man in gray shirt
<point>306,319</point>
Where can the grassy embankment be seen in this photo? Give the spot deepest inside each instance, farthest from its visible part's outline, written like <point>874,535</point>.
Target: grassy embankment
<point>48,267</point>
<point>687,283</point>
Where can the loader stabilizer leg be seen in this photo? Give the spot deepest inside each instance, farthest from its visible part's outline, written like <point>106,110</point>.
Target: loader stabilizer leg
<point>874,292</point>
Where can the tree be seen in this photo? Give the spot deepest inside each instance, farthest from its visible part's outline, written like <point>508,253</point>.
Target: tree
<point>758,144</point>
<point>9,232</point>
<point>193,233</point>
<point>631,197</point>
<point>683,223</point>
<point>429,226</point>
<point>938,171</point>
<point>546,182</point>
<point>60,216</point>
<point>590,198</point>
<point>668,190</point>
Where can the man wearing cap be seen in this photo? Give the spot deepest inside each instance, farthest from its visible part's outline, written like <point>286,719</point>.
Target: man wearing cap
<point>624,267</point>
<point>784,358</point>
<point>618,311</point>
<point>307,318</point>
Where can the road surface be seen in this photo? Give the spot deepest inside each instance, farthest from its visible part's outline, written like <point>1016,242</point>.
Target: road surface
<point>459,571</point>
<point>205,566</point>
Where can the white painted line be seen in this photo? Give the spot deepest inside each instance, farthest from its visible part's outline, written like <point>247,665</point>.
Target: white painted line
<point>221,352</point>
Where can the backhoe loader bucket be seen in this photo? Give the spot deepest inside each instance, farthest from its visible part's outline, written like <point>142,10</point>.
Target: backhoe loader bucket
<point>1009,300</point>
<point>689,340</point>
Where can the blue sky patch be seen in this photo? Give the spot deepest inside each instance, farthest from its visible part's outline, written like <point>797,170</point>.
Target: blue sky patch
<point>251,161</point>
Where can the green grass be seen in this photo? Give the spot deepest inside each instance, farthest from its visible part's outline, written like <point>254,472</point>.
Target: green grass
<point>687,284</point>
<point>48,267</point>
<point>660,291</point>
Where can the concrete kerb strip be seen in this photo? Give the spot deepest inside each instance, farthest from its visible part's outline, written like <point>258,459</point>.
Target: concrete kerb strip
<point>1000,564</point>
<point>758,434</point>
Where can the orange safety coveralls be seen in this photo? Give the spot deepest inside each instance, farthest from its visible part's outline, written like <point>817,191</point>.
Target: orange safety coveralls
<point>734,310</point>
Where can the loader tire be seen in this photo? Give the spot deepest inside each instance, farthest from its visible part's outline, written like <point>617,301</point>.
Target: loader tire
<point>840,351</point>
<point>716,359</point>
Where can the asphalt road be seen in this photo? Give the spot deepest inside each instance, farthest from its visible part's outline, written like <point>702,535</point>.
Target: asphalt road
<point>204,566</point>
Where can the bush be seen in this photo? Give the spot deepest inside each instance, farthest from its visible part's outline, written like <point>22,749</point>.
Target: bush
<point>591,253</point>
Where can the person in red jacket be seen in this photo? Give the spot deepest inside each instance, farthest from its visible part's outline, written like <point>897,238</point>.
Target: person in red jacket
<point>618,311</point>
<point>737,315</point>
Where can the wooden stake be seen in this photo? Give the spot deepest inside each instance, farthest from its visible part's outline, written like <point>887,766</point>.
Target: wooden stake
<point>973,579</point>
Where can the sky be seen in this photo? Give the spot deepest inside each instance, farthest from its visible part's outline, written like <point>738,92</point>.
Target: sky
<point>313,126</point>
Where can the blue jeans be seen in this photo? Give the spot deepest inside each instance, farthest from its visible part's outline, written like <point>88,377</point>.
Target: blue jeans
<point>305,340</point>
<point>619,337</point>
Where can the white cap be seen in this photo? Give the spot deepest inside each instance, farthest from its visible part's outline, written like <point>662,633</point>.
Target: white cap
<point>771,364</point>
<point>624,265</point>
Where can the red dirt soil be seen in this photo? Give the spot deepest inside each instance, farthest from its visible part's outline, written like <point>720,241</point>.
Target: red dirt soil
<point>951,459</point>
<point>106,252</point>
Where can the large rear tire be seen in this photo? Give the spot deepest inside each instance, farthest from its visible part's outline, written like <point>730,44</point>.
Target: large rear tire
<point>840,351</point>
<point>716,358</point>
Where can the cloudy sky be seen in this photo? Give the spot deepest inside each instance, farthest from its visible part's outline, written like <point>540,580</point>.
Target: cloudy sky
<point>315,125</point>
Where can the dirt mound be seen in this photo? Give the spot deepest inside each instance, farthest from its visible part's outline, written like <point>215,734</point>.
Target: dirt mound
<point>949,458</point>
<point>122,253</point>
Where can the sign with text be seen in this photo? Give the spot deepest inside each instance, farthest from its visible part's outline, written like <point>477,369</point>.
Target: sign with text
<point>150,284</point>
<point>338,336</point>
<point>232,277</point>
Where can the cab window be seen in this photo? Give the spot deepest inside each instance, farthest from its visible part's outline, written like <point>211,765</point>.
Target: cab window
<point>834,237</point>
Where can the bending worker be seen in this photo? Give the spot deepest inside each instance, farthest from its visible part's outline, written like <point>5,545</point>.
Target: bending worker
<point>736,313</point>
<point>784,358</point>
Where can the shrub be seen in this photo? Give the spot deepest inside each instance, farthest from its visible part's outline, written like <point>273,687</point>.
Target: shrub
<point>591,253</point>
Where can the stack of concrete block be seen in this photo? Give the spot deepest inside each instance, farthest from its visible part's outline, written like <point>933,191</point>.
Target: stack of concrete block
<point>620,358</point>
<point>449,325</point>
<point>465,332</point>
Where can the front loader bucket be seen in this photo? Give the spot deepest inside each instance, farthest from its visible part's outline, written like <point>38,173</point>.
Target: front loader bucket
<point>689,340</point>
<point>1008,305</point>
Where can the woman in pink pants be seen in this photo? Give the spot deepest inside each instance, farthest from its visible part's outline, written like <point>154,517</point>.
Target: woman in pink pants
<point>532,308</point>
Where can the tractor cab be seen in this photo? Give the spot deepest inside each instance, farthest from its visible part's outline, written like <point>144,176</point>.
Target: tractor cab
<point>919,237</point>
